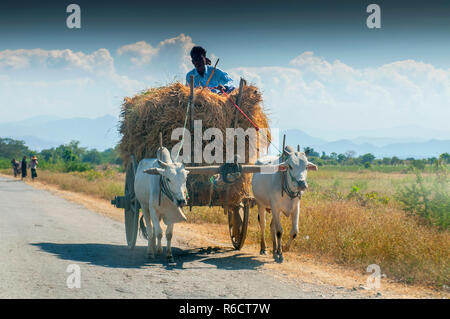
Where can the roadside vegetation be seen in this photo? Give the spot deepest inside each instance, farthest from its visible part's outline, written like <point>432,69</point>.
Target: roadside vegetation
<point>357,211</point>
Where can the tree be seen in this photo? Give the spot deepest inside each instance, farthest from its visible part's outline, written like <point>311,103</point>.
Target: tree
<point>10,148</point>
<point>350,154</point>
<point>445,157</point>
<point>395,160</point>
<point>309,151</point>
<point>341,158</point>
<point>367,158</point>
<point>92,156</point>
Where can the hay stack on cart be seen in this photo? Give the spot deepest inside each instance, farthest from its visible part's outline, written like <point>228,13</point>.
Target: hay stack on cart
<point>156,112</point>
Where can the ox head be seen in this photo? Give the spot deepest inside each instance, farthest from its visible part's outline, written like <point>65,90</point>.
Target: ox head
<point>176,176</point>
<point>297,166</point>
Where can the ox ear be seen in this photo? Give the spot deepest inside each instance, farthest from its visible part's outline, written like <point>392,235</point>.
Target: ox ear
<point>311,167</point>
<point>162,164</point>
<point>282,167</point>
<point>154,171</point>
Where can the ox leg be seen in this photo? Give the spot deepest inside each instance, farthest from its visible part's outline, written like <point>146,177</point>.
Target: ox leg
<point>262,225</point>
<point>274,238</point>
<point>148,225</point>
<point>169,234</point>
<point>294,229</point>
<point>278,233</point>
<point>157,231</point>
<point>159,235</point>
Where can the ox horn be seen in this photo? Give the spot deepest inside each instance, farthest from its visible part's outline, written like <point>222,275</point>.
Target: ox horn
<point>152,171</point>
<point>162,164</point>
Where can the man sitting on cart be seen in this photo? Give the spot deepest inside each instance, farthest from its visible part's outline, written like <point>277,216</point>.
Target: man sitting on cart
<point>204,72</point>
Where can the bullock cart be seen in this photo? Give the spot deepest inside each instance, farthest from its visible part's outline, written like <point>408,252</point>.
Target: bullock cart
<point>226,185</point>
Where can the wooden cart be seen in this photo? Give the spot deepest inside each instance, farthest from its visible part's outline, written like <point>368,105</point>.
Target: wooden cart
<point>238,214</point>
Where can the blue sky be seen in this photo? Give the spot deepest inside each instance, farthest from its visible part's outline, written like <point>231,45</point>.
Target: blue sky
<point>317,63</point>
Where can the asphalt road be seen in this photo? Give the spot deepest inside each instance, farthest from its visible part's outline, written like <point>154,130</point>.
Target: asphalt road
<point>41,235</point>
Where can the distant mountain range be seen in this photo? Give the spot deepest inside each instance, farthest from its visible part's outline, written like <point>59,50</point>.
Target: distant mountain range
<point>380,147</point>
<point>45,131</point>
<point>102,133</point>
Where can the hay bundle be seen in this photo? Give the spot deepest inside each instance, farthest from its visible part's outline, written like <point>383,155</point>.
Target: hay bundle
<point>163,109</point>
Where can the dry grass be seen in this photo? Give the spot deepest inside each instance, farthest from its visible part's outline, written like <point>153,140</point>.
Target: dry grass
<point>341,231</point>
<point>104,185</point>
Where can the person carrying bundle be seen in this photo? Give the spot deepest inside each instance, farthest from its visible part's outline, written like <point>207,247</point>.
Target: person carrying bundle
<point>206,75</point>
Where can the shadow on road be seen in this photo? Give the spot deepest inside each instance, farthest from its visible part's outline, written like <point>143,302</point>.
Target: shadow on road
<point>115,256</point>
<point>120,256</point>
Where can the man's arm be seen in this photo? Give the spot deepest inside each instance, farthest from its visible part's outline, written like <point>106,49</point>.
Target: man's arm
<point>226,81</point>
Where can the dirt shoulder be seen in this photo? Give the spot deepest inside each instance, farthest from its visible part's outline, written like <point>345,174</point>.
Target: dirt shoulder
<point>299,268</point>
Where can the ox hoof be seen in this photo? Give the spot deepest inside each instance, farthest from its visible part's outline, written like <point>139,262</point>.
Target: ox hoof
<point>263,252</point>
<point>171,261</point>
<point>279,259</point>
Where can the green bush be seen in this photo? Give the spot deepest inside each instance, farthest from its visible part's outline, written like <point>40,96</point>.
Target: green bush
<point>76,166</point>
<point>5,163</point>
<point>429,200</point>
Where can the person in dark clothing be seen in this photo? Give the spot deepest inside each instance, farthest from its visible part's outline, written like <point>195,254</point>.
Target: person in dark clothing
<point>15,165</point>
<point>24,167</point>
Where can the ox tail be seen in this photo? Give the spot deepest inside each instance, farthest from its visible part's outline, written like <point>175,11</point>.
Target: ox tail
<point>142,228</point>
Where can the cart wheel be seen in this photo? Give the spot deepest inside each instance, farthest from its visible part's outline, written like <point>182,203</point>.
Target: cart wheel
<point>238,224</point>
<point>131,212</point>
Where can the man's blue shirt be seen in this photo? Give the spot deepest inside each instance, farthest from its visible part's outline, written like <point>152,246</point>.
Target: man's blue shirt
<point>219,77</point>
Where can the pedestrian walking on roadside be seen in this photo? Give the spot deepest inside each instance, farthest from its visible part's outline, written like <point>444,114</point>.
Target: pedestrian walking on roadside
<point>24,167</point>
<point>15,165</point>
<point>33,166</point>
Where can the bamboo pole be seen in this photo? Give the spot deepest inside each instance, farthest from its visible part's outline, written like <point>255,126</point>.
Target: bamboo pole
<point>282,160</point>
<point>192,113</point>
<point>238,100</point>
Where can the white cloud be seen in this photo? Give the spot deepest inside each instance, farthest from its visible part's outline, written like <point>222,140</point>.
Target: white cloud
<point>140,52</point>
<point>170,53</point>
<point>99,61</point>
<point>314,92</point>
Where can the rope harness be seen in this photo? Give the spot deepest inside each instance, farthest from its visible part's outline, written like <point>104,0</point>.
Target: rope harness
<point>287,189</point>
<point>165,188</point>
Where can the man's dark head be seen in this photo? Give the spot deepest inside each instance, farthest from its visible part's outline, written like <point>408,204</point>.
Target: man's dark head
<point>199,60</point>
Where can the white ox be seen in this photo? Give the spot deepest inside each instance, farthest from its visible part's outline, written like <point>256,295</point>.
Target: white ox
<point>267,192</point>
<point>173,198</point>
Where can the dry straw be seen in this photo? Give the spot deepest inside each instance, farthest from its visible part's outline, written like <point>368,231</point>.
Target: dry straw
<point>163,109</point>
